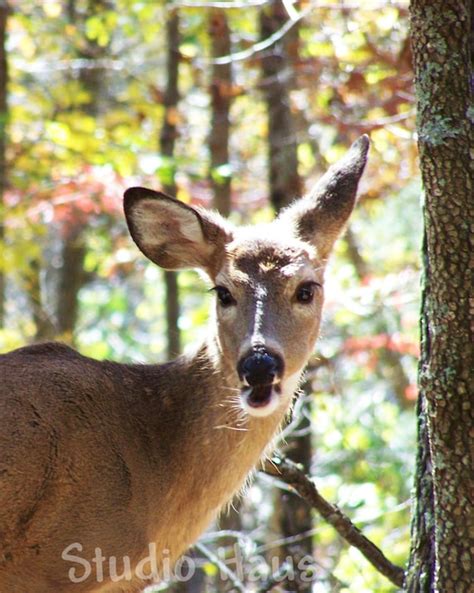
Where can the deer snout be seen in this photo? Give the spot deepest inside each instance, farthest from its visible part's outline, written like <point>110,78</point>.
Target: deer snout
<point>260,367</point>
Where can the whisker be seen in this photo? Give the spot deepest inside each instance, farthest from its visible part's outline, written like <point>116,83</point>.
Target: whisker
<point>231,398</point>
<point>228,427</point>
<point>235,416</point>
<point>236,389</point>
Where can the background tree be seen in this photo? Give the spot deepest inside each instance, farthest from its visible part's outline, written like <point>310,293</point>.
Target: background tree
<point>442,528</point>
<point>292,516</point>
<point>92,52</point>
<point>221,93</point>
<point>221,90</point>
<point>4,10</point>
<point>167,142</point>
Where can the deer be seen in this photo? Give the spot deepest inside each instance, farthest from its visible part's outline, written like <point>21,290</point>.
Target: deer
<point>98,455</point>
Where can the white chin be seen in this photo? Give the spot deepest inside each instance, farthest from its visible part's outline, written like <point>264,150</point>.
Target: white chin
<point>281,395</point>
<point>260,411</point>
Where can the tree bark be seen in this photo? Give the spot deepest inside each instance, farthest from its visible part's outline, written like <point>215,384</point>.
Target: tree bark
<point>284,181</point>
<point>72,276</point>
<point>443,522</point>
<point>293,515</point>
<point>221,91</point>
<point>167,141</point>
<point>45,328</point>
<point>4,10</point>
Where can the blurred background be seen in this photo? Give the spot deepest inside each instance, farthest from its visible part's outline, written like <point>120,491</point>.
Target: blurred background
<point>238,105</point>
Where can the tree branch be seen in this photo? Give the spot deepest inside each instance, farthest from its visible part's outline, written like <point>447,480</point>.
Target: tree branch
<point>274,579</point>
<point>214,558</point>
<point>285,470</point>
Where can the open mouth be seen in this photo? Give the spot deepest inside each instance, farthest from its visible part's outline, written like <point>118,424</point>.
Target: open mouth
<point>263,399</point>
<point>259,396</point>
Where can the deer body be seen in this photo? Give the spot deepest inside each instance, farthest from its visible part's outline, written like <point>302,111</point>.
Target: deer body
<point>114,456</point>
<point>136,484</point>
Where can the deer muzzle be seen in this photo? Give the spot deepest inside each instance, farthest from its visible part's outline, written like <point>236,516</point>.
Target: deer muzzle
<point>260,371</point>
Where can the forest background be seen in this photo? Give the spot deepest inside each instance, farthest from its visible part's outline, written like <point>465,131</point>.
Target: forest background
<point>237,105</point>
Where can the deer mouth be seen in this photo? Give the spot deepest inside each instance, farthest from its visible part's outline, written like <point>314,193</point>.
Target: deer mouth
<point>261,400</point>
<point>261,395</point>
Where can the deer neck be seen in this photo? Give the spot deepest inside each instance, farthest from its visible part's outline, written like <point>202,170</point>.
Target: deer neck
<point>227,442</point>
<point>225,428</point>
<point>222,445</point>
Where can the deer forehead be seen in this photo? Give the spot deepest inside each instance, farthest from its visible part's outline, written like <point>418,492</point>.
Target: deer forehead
<point>254,262</point>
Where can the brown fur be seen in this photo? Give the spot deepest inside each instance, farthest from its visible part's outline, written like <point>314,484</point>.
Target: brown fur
<point>117,456</point>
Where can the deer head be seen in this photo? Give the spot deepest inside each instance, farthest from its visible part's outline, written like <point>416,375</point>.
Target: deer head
<point>268,279</point>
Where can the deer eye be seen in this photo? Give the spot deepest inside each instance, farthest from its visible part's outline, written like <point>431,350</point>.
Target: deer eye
<point>305,292</point>
<point>224,296</point>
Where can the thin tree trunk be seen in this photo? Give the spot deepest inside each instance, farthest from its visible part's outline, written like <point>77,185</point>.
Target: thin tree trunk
<point>167,143</point>
<point>220,90</point>
<point>284,181</point>
<point>172,314</point>
<point>292,514</point>
<point>221,96</point>
<point>44,327</point>
<point>4,10</point>
<point>443,519</point>
<point>72,276</point>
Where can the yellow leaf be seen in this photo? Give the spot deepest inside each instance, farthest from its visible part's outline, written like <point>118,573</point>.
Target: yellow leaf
<point>52,9</point>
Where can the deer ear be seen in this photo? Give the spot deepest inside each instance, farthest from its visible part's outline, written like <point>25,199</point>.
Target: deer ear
<point>320,217</point>
<point>175,235</point>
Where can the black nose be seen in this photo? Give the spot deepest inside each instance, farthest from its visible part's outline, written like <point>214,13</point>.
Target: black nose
<point>260,367</point>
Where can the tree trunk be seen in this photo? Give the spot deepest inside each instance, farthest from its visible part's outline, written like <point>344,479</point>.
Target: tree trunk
<point>220,90</point>
<point>284,180</point>
<point>4,9</point>
<point>292,514</point>
<point>73,250</point>
<point>443,521</point>
<point>420,575</point>
<point>173,334</point>
<point>71,279</point>
<point>221,95</point>
<point>167,142</point>
<point>45,328</point>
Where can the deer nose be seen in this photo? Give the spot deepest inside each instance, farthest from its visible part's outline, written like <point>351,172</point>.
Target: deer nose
<point>260,367</point>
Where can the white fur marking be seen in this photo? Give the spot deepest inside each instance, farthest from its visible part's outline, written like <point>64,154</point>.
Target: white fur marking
<point>290,385</point>
<point>262,411</point>
<point>276,401</point>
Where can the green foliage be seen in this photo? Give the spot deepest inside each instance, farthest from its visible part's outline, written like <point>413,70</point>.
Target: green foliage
<point>86,108</point>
